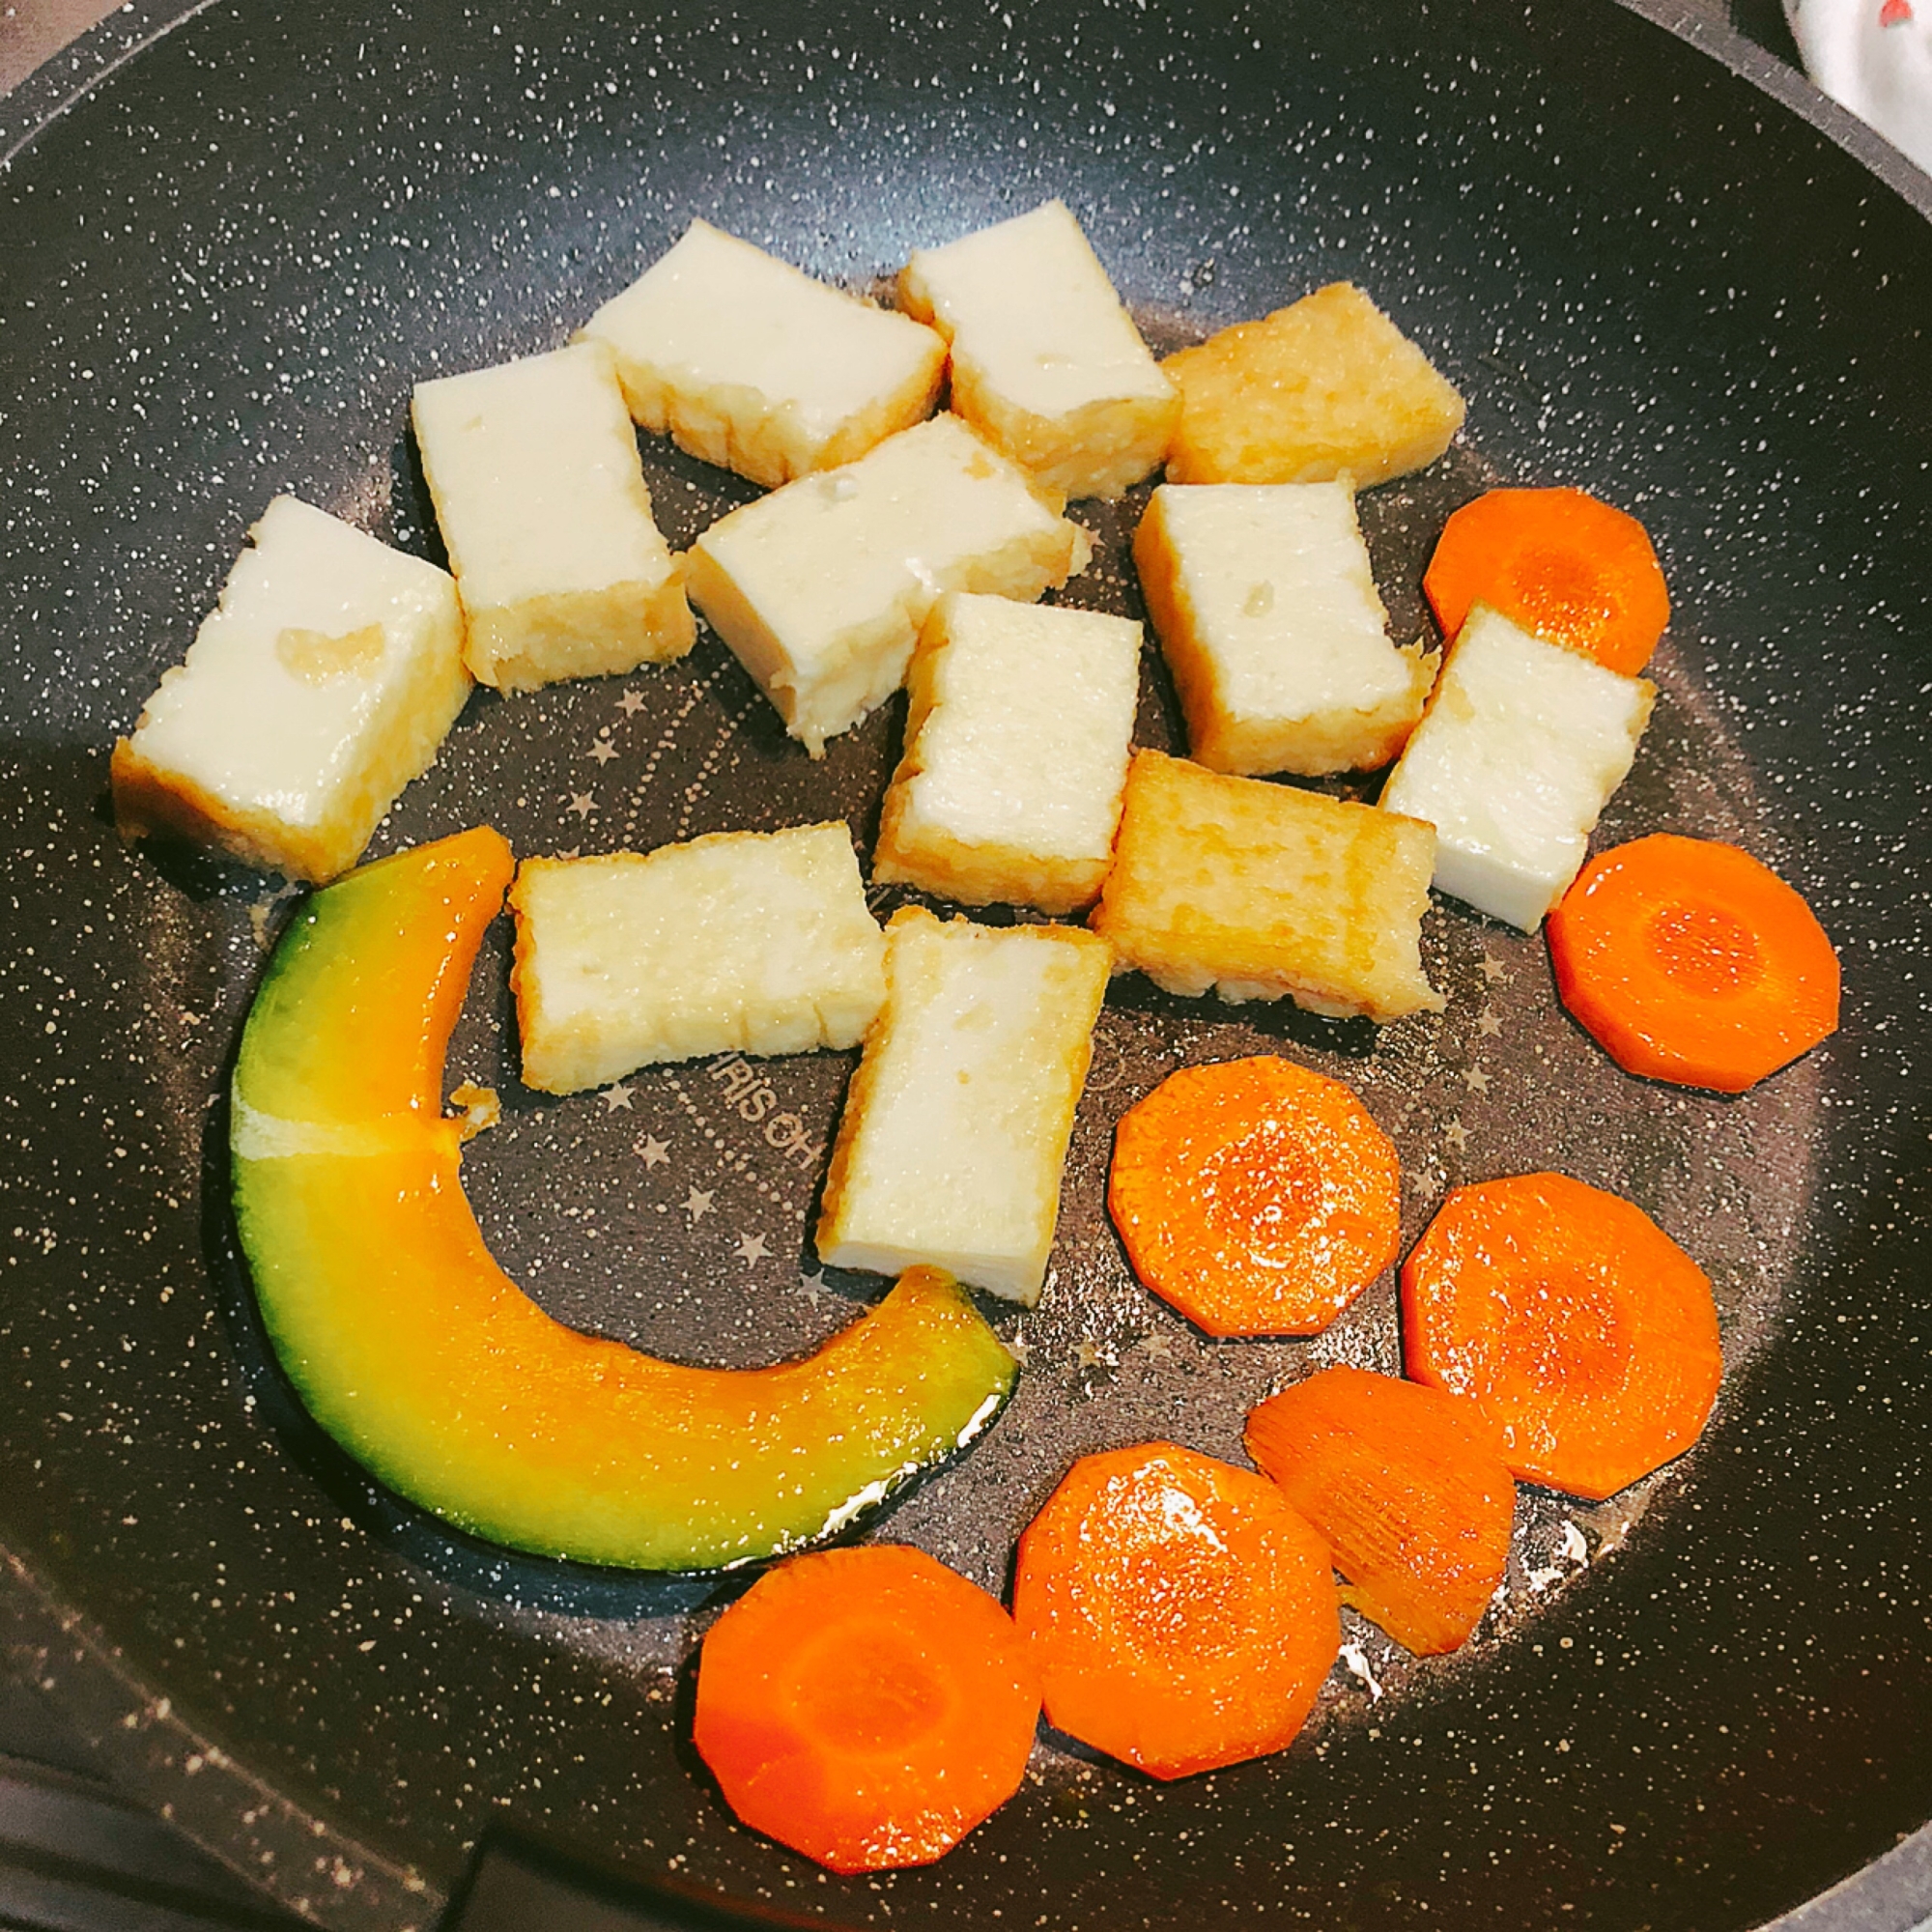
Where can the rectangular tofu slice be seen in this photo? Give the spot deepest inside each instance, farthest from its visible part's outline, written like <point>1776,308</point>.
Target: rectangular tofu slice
<point>750,363</point>
<point>1044,358</point>
<point>1520,749</point>
<point>1258,889</point>
<point>748,941</point>
<point>1327,388</point>
<point>541,500</point>
<point>323,681</point>
<point>1265,606</point>
<point>956,1125</point>
<point>1015,753</point>
<point>821,587</point>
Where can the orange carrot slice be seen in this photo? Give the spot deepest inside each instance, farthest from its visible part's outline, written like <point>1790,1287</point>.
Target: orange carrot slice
<point>1561,564</point>
<point>1572,1320</point>
<point>1409,1488</point>
<point>1257,1197</point>
<point>1183,1615</point>
<point>1690,961</point>
<point>866,1707</point>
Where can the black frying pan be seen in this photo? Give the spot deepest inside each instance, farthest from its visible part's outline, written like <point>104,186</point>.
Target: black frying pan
<point>220,271</point>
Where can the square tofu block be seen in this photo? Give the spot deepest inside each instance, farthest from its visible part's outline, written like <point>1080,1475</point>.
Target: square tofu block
<point>821,587</point>
<point>1522,745</point>
<point>1044,358</point>
<point>956,1125</point>
<point>752,365</point>
<point>1327,388</point>
<point>752,942</point>
<point>542,504</point>
<point>1265,606</point>
<point>1016,754</point>
<point>1257,890</point>
<point>323,682</point>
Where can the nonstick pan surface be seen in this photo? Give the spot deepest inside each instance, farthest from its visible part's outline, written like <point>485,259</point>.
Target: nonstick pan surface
<point>219,273</point>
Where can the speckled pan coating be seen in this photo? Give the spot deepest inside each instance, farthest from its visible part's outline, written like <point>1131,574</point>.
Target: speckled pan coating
<point>222,270</point>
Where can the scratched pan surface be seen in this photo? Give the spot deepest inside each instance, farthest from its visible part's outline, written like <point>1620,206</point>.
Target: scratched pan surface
<point>1694,1708</point>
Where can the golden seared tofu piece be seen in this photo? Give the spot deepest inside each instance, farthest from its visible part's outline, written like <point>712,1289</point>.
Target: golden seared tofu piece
<point>752,942</point>
<point>746,362</point>
<point>1266,608</point>
<point>956,1123</point>
<point>820,588</point>
<point>1521,747</point>
<point>1015,753</point>
<point>1328,386</point>
<point>323,681</point>
<point>1257,890</point>
<point>1045,360</point>
<point>541,500</point>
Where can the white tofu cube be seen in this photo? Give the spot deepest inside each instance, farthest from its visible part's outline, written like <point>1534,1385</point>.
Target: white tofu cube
<point>956,1125</point>
<point>821,587</point>
<point>323,681</point>
<point>1521,746</point>
<point>1266,608</point>
<point>540,499</point>
<point>748,364</point>
<point>752,942</point>
<point>1044,358</point>
<point>1016,754</point>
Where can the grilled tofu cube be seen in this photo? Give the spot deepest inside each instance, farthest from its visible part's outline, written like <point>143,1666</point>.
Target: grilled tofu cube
<point>956,1125</point>
<point>1015,753</point>
<point>1045,360</point>
<point>1325,388</point>
<point>748,364</point>
<point>821,587</point>
<point>1265,606</point>
<point>752,942</point>
<point>1256,890</point>
<point>323,681</point>
<point>1521,746</point>
<point>541,500</point>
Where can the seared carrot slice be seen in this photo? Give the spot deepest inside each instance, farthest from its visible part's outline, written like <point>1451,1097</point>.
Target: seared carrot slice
<point>1558,562</point>
<point>1572,1320</point>
<point>1183,1615</point>
<point>866,1707</point>
<point>1692,963</point>
<point>1257,1197</point>
<point>1409,1488</point>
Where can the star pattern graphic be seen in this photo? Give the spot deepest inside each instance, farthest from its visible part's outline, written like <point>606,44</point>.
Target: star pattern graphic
<point>603,750</point>
<point>652,1151</point>
<point>752,1249</point>
<point>1487,1025</point>
<point>616,1099</point>
<point>630,703</point>
<point>582,804</point>
<point>811,1284</point>
<point>697,1204</point>
<point>1457,1135</point>
<point>1493,969</point>
<point>1479,1081</point>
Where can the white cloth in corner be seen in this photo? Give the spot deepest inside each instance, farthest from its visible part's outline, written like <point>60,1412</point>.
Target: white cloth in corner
<point>1874,57</point>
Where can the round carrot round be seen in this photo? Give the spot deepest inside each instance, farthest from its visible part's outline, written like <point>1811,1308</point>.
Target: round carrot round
<point>1183,1615</point>
<point>866,1707</point>
<point>1560,563</point>
<point>1572,1320</point>
<point>1407,1485</point>
<point>1257,1197</point>
<point>1690,961</point>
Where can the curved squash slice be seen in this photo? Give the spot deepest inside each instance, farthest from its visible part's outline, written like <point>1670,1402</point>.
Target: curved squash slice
<point>432,1368</point>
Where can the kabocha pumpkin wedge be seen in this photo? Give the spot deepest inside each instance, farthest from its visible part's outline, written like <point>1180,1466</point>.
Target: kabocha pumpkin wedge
<point>435,1371</point>
<point>1409,1488</point>
<point>1572,1320</point>
<point>1183,1615</point>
